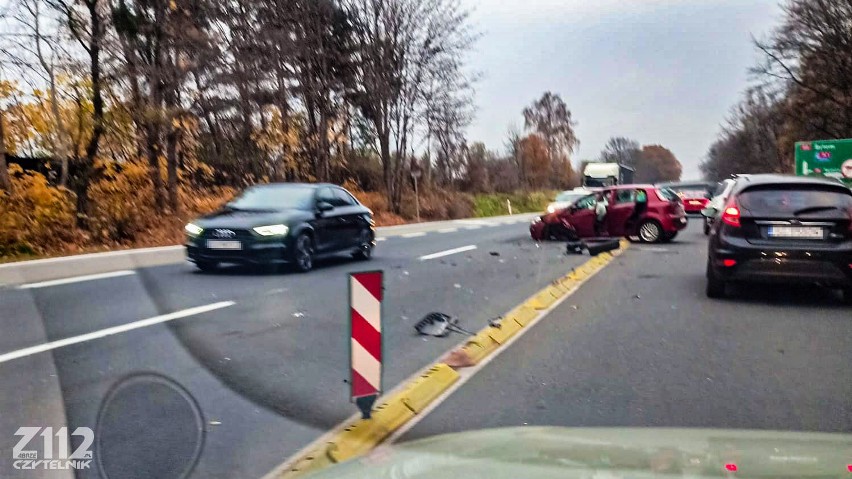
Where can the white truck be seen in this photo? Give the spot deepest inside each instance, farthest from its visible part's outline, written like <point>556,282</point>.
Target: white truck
<point>599,175</point>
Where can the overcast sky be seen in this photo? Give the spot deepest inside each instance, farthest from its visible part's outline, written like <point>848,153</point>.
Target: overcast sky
<point>657,71</point>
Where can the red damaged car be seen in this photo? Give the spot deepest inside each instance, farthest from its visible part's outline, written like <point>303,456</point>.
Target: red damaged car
<point>658,215</point>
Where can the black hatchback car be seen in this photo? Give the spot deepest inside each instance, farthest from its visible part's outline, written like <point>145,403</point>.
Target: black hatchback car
<point>282,223</point>
<point>776,228</point>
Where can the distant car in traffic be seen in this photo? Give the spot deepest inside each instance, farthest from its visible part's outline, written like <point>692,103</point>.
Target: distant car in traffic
<point>568,197</point>
<point>695,195</point>
<point>776,228</point>
<point>659,218</point>
<point>282,223</point>
<point>720,196</point>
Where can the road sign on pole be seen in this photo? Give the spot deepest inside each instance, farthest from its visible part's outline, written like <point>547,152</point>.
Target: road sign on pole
<point>365,342</point>
<point>832,158</point>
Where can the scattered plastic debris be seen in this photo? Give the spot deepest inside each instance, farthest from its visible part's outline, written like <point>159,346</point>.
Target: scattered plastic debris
<point>494,253</point>
<point>405,273</point>
<point>227,359</point>
<point>637,297</point>
<point>457,286</point>
<point>215,423</point>
<point>439,325</point>
<point>298,314</point>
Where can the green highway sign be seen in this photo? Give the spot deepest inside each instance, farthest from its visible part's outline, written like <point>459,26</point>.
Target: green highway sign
<point>832,158</point>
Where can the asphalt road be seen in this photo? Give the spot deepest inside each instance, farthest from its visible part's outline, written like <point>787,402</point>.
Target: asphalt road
<point>233,390</point>
<point>640,345</point>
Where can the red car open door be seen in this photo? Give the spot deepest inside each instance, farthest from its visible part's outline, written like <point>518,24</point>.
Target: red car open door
<point>621,206</point>
<point>582,216</point>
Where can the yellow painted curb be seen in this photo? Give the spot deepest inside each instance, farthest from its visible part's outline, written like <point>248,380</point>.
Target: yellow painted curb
<point>365,434</point>
<point>314,460</point>
<point>542,300</point>
<point>428,386</point>
<point>480,346</point>
<point>522,315</point>
<point>507,329</point>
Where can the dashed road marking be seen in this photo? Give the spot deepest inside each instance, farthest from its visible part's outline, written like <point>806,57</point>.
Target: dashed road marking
<point>448,252</point>
<point>413,235</point>
<point>113,330</point>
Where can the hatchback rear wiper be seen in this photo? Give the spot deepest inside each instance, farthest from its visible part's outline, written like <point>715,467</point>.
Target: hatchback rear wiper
<point>812,209</point>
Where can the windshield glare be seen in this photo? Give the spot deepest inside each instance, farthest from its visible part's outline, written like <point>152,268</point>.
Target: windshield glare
<point>274,198</point>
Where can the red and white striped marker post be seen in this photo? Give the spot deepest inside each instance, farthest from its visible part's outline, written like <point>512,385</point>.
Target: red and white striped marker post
<point>365,342</point>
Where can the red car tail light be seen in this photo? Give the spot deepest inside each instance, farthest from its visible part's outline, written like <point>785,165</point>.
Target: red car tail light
<point>731,215</point>
<point>729,263</point>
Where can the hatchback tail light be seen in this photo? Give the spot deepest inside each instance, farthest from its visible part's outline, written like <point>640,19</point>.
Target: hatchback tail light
<point>731,215</point>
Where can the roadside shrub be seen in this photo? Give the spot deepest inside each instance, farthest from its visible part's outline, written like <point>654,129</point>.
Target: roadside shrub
<point>522,202</point>
<point>34,217</point>
<point>122,203</point>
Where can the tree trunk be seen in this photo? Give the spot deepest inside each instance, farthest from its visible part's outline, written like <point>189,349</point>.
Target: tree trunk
<point>384,146</point>
<point>153,143</point>
<point>172,162</point>
<point>86,168</point>
<point>5,181</point>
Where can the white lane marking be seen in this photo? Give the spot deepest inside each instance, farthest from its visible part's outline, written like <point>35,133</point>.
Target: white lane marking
<point>448,230</point>
<point>113,330</point>
<point>381,239</point>
<point>76,279</point>
<point>414,235</point>
<point>366,305</point>
<point>448,252</point>
<point>473,227</point>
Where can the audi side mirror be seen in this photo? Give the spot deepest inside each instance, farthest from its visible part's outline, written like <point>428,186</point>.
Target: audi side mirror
<point>324,206</point>
<point>709,212</point>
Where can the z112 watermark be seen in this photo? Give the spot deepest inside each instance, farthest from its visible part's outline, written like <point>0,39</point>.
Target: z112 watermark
<point>59,459</point>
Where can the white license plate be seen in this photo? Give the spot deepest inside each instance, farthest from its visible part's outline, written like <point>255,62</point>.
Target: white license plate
<point>806,232</point>
<point>214,244</point>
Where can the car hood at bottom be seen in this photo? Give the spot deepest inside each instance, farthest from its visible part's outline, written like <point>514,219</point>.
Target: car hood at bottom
<point>551,452</point>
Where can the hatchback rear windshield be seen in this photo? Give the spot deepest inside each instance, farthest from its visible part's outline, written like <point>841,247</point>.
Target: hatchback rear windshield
<point>666,194</point>
<point>794,199</point>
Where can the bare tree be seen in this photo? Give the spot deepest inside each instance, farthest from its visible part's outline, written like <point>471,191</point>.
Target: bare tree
<point>400,46</point>
<point>810,58</point>
<point>87,25</point>
<point>621,150</point>
<point>550,117</point>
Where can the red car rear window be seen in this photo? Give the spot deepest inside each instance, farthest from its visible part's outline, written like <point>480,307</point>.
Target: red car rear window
<point>666,194</point>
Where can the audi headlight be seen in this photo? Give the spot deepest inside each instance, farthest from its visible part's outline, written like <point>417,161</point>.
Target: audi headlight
<point>193,230</point>
<point>272,230</point>
<point>537,219</point>
<point>551,208</point>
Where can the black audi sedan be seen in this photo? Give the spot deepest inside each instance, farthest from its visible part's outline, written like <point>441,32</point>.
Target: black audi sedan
<point>777,228</point>
<point>282,223</point>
